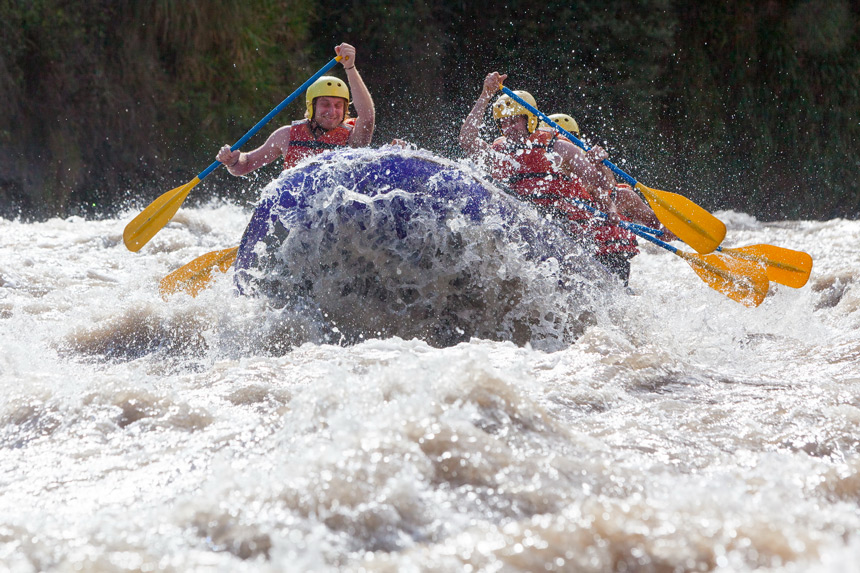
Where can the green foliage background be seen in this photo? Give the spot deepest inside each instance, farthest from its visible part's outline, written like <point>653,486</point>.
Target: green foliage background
<point>751,105</point>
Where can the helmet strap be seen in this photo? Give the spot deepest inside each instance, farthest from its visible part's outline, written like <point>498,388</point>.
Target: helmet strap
<point>316,129</point>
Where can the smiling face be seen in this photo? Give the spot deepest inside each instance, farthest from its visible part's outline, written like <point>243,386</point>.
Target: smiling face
<point>515,127</point>
<point>329,111</point>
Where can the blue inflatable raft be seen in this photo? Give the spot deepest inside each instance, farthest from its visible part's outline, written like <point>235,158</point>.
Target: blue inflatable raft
<point>391,242</point>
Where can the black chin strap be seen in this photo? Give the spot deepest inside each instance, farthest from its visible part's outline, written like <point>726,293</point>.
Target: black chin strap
<point>316,130</point>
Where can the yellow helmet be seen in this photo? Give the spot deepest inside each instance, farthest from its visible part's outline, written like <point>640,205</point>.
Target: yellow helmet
<point>326,86</point>
<point>506,106</point>
<point>564,121</point>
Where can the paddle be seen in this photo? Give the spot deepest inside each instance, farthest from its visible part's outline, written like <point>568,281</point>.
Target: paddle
<point>196,275</point>
<point>152,219</point>
<point>688,221</point>
<point>788,265</point>
<point>784,266</point>
<point>740,280</point>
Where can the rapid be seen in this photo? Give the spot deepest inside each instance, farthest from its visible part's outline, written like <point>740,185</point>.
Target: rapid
<point>663,428</point>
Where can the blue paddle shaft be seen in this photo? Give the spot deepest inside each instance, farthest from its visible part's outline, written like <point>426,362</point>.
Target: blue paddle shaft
<point>637,230</point>
<point>646,233</point>
<point>289,99</point>
<point>567,134</point>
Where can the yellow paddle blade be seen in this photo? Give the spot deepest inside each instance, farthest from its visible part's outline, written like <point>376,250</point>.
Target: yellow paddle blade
<point>783,266</point>
<point>196,275</point>
<point>690,223</point>
<point>742,281</point>
<point>151,220</point>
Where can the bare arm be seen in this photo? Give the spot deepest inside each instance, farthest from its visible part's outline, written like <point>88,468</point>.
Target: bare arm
<point>239,163</point>
<point>575,163</point>
<point>470,131</point>
<point>631,206</point>
<point>362,133</point>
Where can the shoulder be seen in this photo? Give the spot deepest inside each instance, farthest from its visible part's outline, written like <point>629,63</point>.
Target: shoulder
<point>552,133</point>
<point>282,133</point>
<point>300,125</point>
<point>348,125</point>
<point>280,138</point>
<point>544,137</point>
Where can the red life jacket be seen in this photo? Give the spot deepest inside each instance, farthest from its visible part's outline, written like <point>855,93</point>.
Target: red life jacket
<point>530,173</point>
<point>612,239</point>
<point>303,143</point>
<point>526,168</point>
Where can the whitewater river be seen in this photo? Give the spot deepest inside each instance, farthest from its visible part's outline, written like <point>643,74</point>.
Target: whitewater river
<point>679,431</point>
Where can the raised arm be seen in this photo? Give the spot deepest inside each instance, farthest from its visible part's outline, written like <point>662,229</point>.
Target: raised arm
<point>362,133</point>
<point>470,132</point>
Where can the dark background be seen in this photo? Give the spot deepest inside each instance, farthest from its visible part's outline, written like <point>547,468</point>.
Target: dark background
<point>750,105</point>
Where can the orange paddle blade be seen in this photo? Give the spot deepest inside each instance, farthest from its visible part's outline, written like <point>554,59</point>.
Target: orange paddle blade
<point>151,220</point>
<point>196,275</point>
<point>740,280</point>
<point>688,221</point>
<point>783,266</point>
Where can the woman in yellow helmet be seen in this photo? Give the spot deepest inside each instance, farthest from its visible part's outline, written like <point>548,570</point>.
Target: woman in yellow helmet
<point>519,133</point>
<point>565,121</point>
<point>550,170</point>
<point>616,246</point>
<point>629,203</point>
<point>326,124</point>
